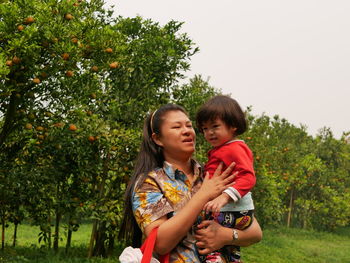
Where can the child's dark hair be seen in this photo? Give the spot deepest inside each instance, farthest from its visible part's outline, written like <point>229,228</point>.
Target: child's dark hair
<point>224,108</point>
<point>149,158</point>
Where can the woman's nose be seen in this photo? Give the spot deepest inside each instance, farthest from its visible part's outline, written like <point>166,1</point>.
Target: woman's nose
<point>186,130</point>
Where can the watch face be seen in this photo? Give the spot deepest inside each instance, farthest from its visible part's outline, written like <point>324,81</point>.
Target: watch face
<point>235,235</point>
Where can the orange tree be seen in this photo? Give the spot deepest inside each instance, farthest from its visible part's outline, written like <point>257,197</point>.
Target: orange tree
<point>75,85</point>
<point>301,181</point>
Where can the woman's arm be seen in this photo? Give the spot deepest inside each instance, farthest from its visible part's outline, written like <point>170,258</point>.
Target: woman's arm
<point>172,231</point>
<point>212,236</point>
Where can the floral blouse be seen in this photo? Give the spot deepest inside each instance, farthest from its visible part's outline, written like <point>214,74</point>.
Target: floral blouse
<point>164,192</point>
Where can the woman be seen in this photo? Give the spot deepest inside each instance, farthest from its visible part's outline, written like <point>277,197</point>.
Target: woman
<point>167,190</point>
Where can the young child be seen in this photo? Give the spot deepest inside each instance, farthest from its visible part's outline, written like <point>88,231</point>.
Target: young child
<point>221,120</point>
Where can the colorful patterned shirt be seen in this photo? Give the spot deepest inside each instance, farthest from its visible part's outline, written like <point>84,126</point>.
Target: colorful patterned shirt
<point>164,192</point>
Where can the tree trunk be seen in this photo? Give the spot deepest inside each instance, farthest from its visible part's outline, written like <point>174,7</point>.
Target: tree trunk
<point>15,235</point>
<point>57,231</point>
<point>57,223</point>
<point>3,233</point>
<point>49,234</point>
<point>69,238</point>
<point>101,237</point>
<point>110,248</point>
<point>97,237</point>
<point>9,119</point>
<point>92,238</point>
<point>289,218</point>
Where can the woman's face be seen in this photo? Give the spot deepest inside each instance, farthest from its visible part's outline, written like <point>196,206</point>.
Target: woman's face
<point>177,136</point>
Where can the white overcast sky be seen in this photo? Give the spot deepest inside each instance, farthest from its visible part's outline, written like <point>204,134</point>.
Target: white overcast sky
<point>290,58</point>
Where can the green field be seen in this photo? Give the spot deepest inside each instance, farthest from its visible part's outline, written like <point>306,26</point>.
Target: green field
<point>279,245</point>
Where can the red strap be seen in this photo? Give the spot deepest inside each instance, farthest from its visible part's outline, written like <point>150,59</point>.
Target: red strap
<point>148,246</point>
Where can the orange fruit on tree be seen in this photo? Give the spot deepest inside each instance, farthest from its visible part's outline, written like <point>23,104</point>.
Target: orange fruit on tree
<point>68,16</point>
<point>40,128</point>
<point>16,60</point>
<point>91,138</point>
<point>114,65</point>
<point>65,56</point>
<point>29,20</point>
<point>74,40</point>
<point>48,114</point>
<point>36,80</point>
<point>43,75</point>
<point>45,44</point>
<point>94,68</point>
<point>20,27</point>
<point>41,137</point>
<point>58,124</point>
<point>109,50</point>
<point>58,146</point>
<point>29,126</point>
<point>69,73</point>
<point>113,148</point>
<point>9,63</point>
<point>72,127</point>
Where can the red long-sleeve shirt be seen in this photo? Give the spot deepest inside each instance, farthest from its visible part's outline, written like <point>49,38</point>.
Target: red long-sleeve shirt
<point>234,151</point>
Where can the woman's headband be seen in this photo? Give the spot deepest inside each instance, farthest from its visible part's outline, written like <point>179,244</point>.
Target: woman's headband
<point>151,121</point>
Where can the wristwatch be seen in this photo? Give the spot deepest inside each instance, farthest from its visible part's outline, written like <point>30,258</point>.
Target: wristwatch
<point>234,235</point>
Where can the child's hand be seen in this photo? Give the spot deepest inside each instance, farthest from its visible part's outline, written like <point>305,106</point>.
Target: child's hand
<point>216,204</point>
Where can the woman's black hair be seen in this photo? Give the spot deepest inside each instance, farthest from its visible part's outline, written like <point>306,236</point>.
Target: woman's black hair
<point>150,157</point>
<point>224,108</point>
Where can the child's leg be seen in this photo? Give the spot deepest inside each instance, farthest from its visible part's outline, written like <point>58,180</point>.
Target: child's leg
<point>238,220</point>
<point>225,219</point>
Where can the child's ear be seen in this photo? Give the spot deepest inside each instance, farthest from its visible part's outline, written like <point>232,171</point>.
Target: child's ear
<point>233,129</point>
<point>156,139</point>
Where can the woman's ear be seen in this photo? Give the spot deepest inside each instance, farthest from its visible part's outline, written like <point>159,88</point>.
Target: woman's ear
<point>156,139</point>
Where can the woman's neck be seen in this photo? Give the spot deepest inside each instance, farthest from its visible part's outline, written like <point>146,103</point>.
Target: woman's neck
<point>183,165</point>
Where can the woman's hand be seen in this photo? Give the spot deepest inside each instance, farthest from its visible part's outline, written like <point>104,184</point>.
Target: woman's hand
<point>220,181</point>
<point>210,237</point>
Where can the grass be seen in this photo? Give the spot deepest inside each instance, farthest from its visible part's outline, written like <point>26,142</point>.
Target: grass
<point>29,250</point>
<point>289,245</point>
<point>279,245</point>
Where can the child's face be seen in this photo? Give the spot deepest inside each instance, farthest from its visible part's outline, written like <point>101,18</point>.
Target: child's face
<point>217,132</point>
